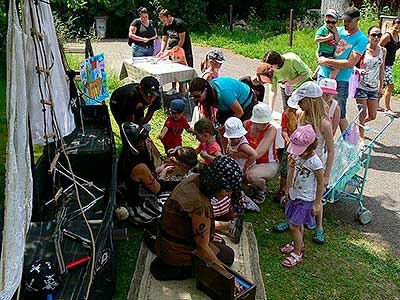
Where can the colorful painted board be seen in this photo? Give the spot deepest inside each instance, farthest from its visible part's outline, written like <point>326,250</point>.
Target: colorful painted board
<point>94,79</point>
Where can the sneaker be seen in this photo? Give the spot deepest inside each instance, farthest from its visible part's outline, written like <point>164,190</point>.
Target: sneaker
<point>361,144</point>
<point>249,204</point>
<point>282,227</point>
<point>171,92</point>
<point>259,196</point>
<point>319,237</point>
<point>236,228</point>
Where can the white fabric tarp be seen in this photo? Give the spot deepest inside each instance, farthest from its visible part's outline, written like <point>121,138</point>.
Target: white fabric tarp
<point>58,80</point>
<point>18,182</point>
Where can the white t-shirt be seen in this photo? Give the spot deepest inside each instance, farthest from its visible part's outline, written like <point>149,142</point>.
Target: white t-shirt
<point>304,186</point>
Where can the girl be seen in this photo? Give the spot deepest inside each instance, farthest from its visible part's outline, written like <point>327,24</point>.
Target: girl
<point>211,64</point>
<point>372,77</point>
<point>305,183</point>
<point>329,89</point>
<point>207,135</point>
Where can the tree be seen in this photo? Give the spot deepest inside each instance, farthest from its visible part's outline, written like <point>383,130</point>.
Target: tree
<point>338,5</point>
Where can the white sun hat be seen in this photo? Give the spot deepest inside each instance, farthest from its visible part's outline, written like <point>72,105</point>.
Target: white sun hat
<point>307,89</point>
<point>262,113</point>
<point>234,128</point>
<point>328,86</point>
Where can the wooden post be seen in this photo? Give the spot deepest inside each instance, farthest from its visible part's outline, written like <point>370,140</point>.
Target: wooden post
<point>230,18</point>
<point>291,27</point>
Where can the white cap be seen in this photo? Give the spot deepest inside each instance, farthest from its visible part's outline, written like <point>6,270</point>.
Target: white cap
<point>262,113</point>
<point>234,128</point>
<point>307,89</point>
<point>328,86</point>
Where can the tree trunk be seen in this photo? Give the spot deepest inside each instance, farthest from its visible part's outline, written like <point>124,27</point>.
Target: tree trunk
<point>338,5</point>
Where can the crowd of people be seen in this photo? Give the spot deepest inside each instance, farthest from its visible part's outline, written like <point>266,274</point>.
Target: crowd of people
<point>237,139</point>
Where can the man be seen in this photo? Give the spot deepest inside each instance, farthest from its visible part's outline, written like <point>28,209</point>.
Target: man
<point>129,102</point>
<point>289,71</point>
<point>175,29</point>
<point>349,49</point>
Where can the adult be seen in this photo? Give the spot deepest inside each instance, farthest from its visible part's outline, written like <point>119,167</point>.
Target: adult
<point>256,82</point>
<point>349,49</point>
<point>136,177</point>
<point>391,41</point>
<point>187,221</point>
<point>232,98</point>
<point>371,83</point>
<point>261,136</point>
<point>129,102</point>
<point>290,71</point>
<point>175,29</point>
<point>142,35</point>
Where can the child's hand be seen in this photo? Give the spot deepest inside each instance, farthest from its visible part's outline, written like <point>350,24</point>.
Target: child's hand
<point>331,36</point>
<point>203,153</point>
<point>316,208</point>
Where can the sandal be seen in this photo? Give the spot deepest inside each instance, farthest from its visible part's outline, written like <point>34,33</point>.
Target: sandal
<point>319,237</point>
<point>289,248</point>
<point>282,227</point>
<point>292,260</point>
<point>380,109</point>
<point>259,197</point>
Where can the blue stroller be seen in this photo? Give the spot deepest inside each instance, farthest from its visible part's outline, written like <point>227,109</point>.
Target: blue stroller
<point>350,168</point>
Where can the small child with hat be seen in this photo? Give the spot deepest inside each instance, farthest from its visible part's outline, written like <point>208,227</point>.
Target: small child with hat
<point>211,64</point>
<point>304,191</point>
<point>329,89</point>
<point>171,134</point>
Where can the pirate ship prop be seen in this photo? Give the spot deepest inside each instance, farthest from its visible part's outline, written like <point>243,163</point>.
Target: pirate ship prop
<point>58,223</point>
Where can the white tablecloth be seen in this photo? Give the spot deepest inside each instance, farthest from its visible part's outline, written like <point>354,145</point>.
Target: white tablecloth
<point>165,71</point>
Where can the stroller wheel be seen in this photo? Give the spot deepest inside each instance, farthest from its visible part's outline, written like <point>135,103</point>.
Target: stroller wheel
<point>364,216</point>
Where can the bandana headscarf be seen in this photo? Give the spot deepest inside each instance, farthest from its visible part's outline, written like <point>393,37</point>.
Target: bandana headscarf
<point>223,172</point>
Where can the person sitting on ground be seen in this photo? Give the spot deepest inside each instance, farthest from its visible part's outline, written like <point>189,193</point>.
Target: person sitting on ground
<point>207,135</point>
<point>264,75</point>
<point>261,136</point>
<point>128,102</point>
<point>329,87</point>
<point>211,64</point>
<point>304,190</point>
<point>187,221</point>
<point>171,134</point>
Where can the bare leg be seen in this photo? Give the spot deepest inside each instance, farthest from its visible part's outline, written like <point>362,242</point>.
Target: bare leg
<point>362,116</point>
<point>387,96</point>
<point>372,105</point>
<point>319,218</point>
<point>182,89</point>
<point>297,234</point>
<point>343,123</point>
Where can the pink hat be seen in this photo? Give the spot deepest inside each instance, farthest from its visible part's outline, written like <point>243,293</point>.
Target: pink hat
<point>328,86</point>
<point>303,137</point>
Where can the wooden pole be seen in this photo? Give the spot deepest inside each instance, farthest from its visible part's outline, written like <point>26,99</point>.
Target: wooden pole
<point>291,27</point>
<point>230,18</point>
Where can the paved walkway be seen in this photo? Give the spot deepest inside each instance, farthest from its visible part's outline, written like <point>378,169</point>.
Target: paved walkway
<point>381,194</point>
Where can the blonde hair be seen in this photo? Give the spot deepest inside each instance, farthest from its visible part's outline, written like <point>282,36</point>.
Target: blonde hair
<point>315,114</point>
<point>205,63</point>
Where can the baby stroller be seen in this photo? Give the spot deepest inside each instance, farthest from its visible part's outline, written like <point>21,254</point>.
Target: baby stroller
<point>350,167</point>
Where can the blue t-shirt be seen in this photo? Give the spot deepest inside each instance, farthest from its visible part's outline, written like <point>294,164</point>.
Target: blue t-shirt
<point>356,42</point>
<point>228,90</point>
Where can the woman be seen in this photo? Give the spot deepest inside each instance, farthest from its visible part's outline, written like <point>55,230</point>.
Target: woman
<point>142,35</point>
<point>187,221</point>
<point>139,187</point>
<point>391,41</point>
<point>231,97</point>
<point>372,79</point>
<point>261,136</point>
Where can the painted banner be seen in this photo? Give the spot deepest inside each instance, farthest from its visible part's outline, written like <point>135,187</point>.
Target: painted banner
<point>94,79</point>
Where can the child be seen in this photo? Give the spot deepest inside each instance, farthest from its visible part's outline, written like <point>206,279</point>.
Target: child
<point>180,160</point>
<point>329,87</point>
<point>207,135</point>
<point>171,134</point>
<point>305,184</point>
<point>327,36</point>
<point>211,64</point>
<point>238,147</point>
<point>177,55</point>
<point>289,125</point>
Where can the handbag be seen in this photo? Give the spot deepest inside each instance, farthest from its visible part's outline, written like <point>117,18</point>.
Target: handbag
<point>353,83</point>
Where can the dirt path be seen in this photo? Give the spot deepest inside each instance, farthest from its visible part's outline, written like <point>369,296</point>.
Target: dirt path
<point>381,194</point>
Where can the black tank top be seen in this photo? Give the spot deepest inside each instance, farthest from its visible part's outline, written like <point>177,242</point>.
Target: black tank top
<point>392,46</point>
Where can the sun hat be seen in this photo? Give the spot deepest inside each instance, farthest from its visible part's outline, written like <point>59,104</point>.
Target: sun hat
<point>234,128</point>
<point>217,55</point>
<point>328,86</point>
<point>293,104</point>
<point>332,13</point>
<point>261,114</point>
<point>307,89</point>
<point>225,172</point>
<point>300,139</point>
<point>178,104</point>
<point>150,85</point>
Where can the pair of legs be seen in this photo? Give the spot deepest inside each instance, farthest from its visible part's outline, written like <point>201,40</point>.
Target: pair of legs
<point>389,85</point>
<point>370,101</point>
<point>258,175</point>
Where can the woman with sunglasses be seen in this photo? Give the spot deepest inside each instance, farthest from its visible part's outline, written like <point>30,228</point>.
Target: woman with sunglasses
<point>391,41</point>
<point>372,74</point>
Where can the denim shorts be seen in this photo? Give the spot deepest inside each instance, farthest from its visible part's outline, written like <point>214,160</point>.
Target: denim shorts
<point>364,95</point>
<point>138,50</point>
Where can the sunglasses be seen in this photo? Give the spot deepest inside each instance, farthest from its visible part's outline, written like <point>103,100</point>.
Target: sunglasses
<point>376,35</point>
<point>330,22</point>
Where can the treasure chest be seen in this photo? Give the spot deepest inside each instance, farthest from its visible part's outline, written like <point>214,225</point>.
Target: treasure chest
<point>218,284</point>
